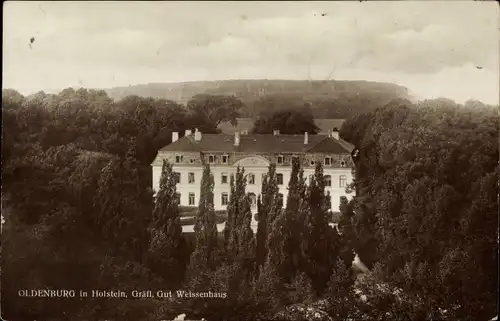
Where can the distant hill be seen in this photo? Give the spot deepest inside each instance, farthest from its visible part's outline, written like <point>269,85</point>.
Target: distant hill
<point>324,97</point>
<point>246,124</point>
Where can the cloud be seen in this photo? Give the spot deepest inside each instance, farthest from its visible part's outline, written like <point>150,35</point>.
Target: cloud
<point>105,44</point>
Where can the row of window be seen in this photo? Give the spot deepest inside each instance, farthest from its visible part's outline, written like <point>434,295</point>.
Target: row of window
<point>211,159</point>
<point>281,160</point>
<point>251,179</point>
<point>191,199</point>
<point>225,199</point>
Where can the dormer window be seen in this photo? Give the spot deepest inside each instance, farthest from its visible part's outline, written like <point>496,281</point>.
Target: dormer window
<point>225,159</point>
<point>281,159</point>
<point>312,163</point>
<point>328,161</point>
<point>342,164</point>
<point>211,159</point>
<point>191,161</point>
<point>295,159</point>
<point>178,158</point>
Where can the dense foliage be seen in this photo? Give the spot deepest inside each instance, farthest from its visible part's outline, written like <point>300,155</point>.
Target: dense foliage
<point>426,207</point>
<point>326,99</point>
<point>80,214</point>
<point>288,122</point>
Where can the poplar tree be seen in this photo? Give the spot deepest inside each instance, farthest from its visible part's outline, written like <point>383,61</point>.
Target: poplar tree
<point>284,240</point>
<point>317,245</point>
<point>234,215</point>
<point>205,228</point>
<point>268,208</point>
<point>240,243</point>
<point>167,243</point>
<point>346,230</point>
<point>246,244</point>
<point>122,201</point>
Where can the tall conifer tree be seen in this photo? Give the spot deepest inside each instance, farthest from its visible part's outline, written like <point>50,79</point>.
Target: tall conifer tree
<point>269,207</point>
<point>167,243</point>
<point>284,240</point>
<point>240,243</point>
<point>318,247</point>
<point>205,228</point>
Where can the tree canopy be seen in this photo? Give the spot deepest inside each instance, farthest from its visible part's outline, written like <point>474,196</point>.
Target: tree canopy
<point>286,121</point>
<point>79,211</point>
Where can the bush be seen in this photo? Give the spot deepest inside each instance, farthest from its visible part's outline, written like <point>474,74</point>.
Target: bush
<point>188,209</point>
<point>191,220</point>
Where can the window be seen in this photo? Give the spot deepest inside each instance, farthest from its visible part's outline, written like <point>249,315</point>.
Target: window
<point>279,178</point>
<point>280,200</point>
<point>328,180</point>
<point>191,199</point>
<point>224,198</point>
<point>253,200</point>
<point>342,164</point>
<point>177,177</point>
<point>211,159</point>
<point>311,177</point>
<point>191,161</point>
<point>225,159</point>
<point>178,198</point>
<point>191,178</point>
<point>342,181</point>
<point>178,158</point>
<point>328,161</point>
<point>223,178</point>
<point>295,159</point>
<point>281,160</point>
<point>312,163</point>
<point>251,179</point>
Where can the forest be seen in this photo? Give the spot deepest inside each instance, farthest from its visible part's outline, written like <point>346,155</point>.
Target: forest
<point>326,98</point>
<point>80,214</point>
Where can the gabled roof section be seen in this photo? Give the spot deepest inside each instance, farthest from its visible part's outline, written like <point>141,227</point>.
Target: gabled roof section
<point>255,143</point>
<point>331,146</point>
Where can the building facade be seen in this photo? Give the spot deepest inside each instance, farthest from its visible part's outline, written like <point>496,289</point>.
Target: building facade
<point>254,153</point>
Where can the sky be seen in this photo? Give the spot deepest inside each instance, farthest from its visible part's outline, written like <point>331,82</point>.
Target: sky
<point>434,48</point>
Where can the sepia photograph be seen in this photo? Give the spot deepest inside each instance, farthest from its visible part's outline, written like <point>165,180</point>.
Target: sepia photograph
<point>250,160</point>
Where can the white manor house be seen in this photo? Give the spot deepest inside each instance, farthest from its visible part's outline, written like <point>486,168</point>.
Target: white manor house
<point>254,153</point>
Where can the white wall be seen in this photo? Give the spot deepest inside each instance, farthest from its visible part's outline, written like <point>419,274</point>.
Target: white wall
<point>185,188</point>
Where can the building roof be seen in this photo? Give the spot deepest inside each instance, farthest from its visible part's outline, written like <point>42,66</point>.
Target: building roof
<point>254,143</point>
<point>247,124</point>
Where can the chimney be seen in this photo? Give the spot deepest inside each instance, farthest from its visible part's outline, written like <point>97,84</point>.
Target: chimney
<point>306,138</point>
<point>197,135</point>
<point>236,139</point>
<point>175,136</point>
<point>335,134</point>
<point>276,132</point>
<point>187,132</point>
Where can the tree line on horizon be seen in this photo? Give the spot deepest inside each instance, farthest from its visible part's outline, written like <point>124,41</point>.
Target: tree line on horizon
<point>80,212</point>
